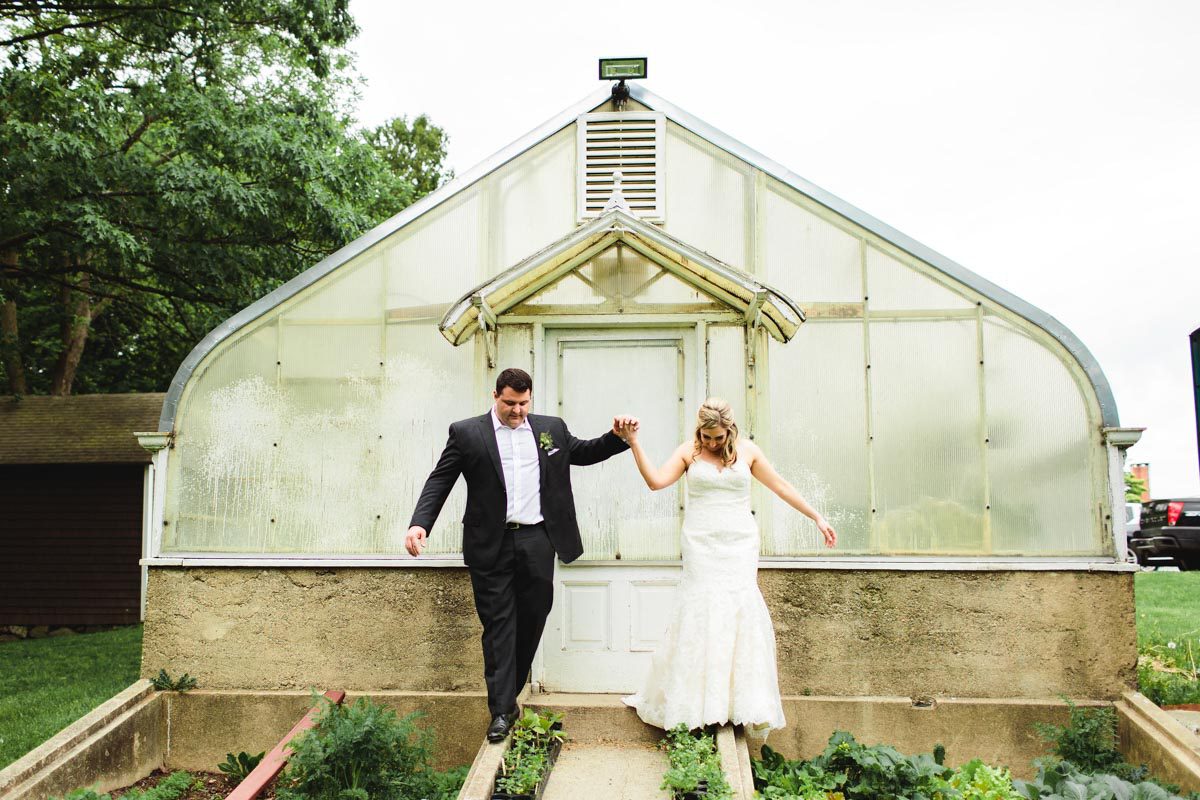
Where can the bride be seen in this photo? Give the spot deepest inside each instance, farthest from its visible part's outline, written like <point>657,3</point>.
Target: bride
<point>716,662</point>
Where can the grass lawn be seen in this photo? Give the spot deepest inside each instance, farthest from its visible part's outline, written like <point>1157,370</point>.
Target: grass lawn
<point>1168,629</point>
<point>1168,610</point>
<point>46,684</point>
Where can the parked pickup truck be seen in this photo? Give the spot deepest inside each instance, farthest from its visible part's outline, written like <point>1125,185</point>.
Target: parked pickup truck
<point>1170,534</point>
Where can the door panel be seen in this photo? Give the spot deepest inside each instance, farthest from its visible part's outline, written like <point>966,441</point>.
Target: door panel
<point>612,606</point>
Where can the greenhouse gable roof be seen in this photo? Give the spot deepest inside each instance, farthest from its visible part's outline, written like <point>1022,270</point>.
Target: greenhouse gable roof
<point>996,294</point>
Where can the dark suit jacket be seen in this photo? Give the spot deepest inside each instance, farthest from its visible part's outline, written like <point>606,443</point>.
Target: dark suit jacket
<point>471,451</point>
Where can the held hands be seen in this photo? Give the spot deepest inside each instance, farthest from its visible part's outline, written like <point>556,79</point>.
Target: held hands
<point>625,428</point>
<point>415,540</point>
<point>827,531</point>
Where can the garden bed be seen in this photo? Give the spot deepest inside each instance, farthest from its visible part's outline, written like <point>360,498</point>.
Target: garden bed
<point>535,744</point>
<point>206,786</point>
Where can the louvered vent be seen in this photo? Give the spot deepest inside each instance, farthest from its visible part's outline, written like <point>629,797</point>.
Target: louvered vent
<point>629,142</point>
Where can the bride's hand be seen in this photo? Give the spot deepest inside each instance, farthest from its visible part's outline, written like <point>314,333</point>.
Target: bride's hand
<point>827,531</point>
<point>626,428</point>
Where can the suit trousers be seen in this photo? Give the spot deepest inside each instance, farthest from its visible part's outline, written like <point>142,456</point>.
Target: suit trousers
<point>513,598</point>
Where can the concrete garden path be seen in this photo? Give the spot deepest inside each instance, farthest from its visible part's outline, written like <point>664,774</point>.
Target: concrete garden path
<point>611,771</point>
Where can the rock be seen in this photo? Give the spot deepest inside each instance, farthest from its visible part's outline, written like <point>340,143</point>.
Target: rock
<point>61,632</point>
<point>39,631</point>
<point>20,631</point>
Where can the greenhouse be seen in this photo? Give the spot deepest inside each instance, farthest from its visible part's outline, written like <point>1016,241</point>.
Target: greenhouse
<point>964,444</point>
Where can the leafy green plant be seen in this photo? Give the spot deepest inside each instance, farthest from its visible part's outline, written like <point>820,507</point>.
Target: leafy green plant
<point>1088,740</point>
<point>1064,781</point>
<point>364,751</point>
<point>1167,688</point>
<point>527,760</point>
<point>695,765</point>
<point>241,765</point>
<point>850,770</point>
<point>976,780</point>
<point>172,787</point>
<point>164,682</point>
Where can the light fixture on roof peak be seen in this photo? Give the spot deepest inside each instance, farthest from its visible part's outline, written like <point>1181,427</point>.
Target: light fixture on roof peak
<point>622,69</point>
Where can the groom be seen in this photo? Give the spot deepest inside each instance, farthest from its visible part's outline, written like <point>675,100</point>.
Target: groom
<point>520,512</point>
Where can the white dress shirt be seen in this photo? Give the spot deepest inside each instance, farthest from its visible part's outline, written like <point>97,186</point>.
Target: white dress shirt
<point>522,477</point>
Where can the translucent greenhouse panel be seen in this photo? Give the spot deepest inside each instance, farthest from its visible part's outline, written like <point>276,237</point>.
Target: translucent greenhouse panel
<point>726,370</point>
<point>818,438</point>
<point>569,291</point>
<point>436,258</point>
<point>805,256</point>
<point>533,201</point>
<point>514,349</point>
<point>894,286</point>
<point>199,499</point>
<point>352,291</point>
<point>927,451</point>
<point>429,384</point>
<point>706,197</point>
<point>330,351</point>
<point>1042,456</point>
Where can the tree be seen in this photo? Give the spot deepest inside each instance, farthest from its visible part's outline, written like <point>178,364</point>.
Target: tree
<point>1135,487</point>
<point>163,165</point>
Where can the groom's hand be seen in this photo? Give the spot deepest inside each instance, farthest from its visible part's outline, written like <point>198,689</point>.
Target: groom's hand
<point>623,425</point>
<point>415,540</point>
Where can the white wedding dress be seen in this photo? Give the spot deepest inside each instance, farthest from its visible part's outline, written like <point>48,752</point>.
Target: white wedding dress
<point>716,661</point>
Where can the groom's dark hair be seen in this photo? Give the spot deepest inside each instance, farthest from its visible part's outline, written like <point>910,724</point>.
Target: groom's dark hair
<point>516,379</point>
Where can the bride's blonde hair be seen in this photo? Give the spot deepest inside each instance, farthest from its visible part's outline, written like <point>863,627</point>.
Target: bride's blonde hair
<point>716,413</point>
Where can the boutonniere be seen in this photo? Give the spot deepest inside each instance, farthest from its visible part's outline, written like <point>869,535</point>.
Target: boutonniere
<point>546,441</point>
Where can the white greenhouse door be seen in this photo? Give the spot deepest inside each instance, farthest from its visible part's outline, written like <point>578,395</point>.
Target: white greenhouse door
<point>611,606</point>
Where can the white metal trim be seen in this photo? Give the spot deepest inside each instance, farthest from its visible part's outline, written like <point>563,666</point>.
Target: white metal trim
<point>864,563</point>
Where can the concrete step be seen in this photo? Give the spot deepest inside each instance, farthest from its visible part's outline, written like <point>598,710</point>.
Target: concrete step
<point>609,771</point>
<point>610,753</point>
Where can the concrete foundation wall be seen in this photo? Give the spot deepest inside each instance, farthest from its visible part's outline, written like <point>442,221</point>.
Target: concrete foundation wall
<point>998,731</point>
<point>953,634</point>
<point>351,629</point>
<point>840,632</point>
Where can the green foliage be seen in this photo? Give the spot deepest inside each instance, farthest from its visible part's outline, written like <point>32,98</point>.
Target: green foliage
<point>976,780</point>
<point>527,759</point>
<point>1088,740</point>
<point>365,751</point>
<point>854,771</point>
<point>1064,781</point>
<point>173,786</point>
<point>165,683</point>
<point>1168,688</point>
<point>1169,666</point>
<point>695,765</point>
<point>163,166</point>
<point>1134,487</point>
<point>241,765</point>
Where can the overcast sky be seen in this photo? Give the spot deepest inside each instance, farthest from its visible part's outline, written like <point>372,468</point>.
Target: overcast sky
<point>1052,147</point>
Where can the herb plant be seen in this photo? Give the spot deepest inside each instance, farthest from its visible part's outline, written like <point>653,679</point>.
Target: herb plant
<point>527,760</point>
<point>976,780</point>
<point>241,765</point>
<point>695,766</point>
<point>164,682</point>
<point>364,751</point>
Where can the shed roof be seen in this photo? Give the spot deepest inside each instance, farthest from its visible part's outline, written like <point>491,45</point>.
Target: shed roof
<point>1002,297</point>
<point>82,429</point>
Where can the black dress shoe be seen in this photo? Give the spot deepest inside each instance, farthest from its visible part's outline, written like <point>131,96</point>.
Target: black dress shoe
<point>502,724</point>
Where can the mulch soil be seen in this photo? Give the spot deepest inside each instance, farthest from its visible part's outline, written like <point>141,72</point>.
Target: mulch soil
<point>212,786</point>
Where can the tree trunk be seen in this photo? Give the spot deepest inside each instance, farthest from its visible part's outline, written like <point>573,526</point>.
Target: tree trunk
<point>10,340</point>
<point>75,333</point>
